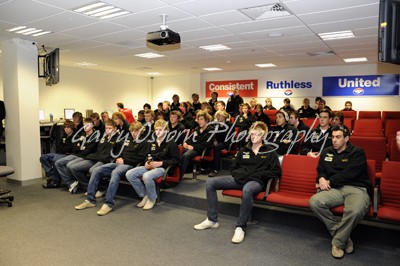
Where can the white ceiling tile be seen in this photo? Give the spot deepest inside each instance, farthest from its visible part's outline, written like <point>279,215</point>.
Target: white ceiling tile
<point>226,18</point>
<point>95,29</point>
<point>312,6</point>
<point>345,25</point>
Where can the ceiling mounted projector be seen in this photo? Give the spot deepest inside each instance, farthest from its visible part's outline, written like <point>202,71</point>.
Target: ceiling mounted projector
<point>164,36</point>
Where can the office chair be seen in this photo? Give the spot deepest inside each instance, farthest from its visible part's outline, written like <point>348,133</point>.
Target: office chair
<point>5,195</point>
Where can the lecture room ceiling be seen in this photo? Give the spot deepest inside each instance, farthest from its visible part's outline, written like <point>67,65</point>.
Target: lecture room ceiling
<point>287,41</point>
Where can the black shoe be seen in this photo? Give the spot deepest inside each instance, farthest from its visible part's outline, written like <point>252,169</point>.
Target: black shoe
<point>50,185</point>
<point>212,174</point>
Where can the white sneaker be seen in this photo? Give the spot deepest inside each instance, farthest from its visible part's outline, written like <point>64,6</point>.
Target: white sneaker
<point>104,210</point>
<point>73,187</point>
<point>100,194</point>
<point>206,224</point>
<point>238,237</point>
<point>143,202</point>
<point>84,205</point>
<point>149,204</point>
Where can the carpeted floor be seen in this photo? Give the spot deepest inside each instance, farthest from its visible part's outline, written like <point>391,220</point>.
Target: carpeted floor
<point>43,228</point>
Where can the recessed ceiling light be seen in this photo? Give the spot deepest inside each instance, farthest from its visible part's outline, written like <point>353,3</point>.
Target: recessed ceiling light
<point>212,68</point>
<point>101,10</point>
<point>336,35</point>
<point>16,28</point>
<point>149,55</point>
<point>266,65</point>
<point>28,31</point>
<point>275,35</point>
<point>215,47</point>
<point>355,59</point>
<point>85,64</point>
<point>153,73</point>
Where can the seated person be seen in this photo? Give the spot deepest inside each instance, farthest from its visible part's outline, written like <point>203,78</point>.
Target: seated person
<point>253,103</point>
<point>254,165</point>
<point>220,106</point>
<point>268,104</point>
<point>283,137</point>
<point>107,147</point>
<point>187,120</point>
<point>286,106</point>
<point>319,138</point>
<point>201,139</point>
<point>162,154</point>
<point>260,116</point>
<point>175,102</point>
<point>348,106</point>
<point>338,120</point>
<point>134,152</point>
<point>243,122</point>
<point>222,141</point>
<point>104,116</point>
<point>85,143</point>
<point>120,121</point>
<point>140,116</point>
<point>77,118</point>
<point>213,101</point>
<point>146,107</point>
<point>63,148</point>
<point>306,111</point>
<point>166,109</point>
<point>196,104</point>
<point>148,126</point>
<point>342,180</point>
<point>296,123</point>
<point>321,106</point>
<point>97,123</point>
<point>177,130</point>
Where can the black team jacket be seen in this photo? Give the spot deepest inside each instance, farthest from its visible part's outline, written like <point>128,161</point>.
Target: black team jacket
<point>167,152</point>
<point>314,141</point>
<point>201,140</point>
<point>134,152</point>
<point>84,145</point>
<point>64,144</point>
<point>108,145</point>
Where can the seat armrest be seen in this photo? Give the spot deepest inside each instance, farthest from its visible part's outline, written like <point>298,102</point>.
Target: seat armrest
<point>166,172</point>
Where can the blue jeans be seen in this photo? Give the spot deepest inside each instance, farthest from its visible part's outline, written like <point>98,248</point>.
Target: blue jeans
<point>217,154</point>
<point>149,187</point>
<point>80,169</point>
<point>249,189</point>
<point>116,171</point>
<point>62,167</point>
<point>186,157</point>
<point>47,160</point>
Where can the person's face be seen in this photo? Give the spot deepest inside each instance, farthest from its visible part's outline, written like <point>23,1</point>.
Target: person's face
<point>175,99</point>
<point>221,118</point>
<point>306,103</point>
<point>76,120</point>
<point>165,106</point>
<point>173,119</point>
<point>252,104</point>
<point>87,127</point>
<point>286,104</point>
<point>240,109</point>
<point>220,107</point>
<point>324,119</point>
<point>258,109</point>
<point>135,134</point>
<point>336,121</point>
<point>292,119</point>
<point>256,136</point>
<point>140,116</point>
<point>96,121</point>
<point>213,96</point>
<point>145,108</point>
<point>195,98</point>
<point>148,117</point>
<point>280,119</point>
<point>245,109</point>
<point>235,92</point>
<point>268,103</point>
<point>183,109</point>
<point>118,121</point>
<point>201,121</point>
<point>338,140</point>
<point>104,116</point>
<point>160,132</point>
<point>68,130</point>
<point>348,106</point>
<point>160,107</point>
<point>321,105</point>
<point>110,130</point>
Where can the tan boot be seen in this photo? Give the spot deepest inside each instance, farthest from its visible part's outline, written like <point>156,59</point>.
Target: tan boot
<point>349,246</point>
<point>149,205</point>
<point>143,202</point>
<point>337,253</point>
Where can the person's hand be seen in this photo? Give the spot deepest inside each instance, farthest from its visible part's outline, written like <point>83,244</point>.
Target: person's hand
<point>119,161</point>
<point>398,140</point>
<point>324,184</point>
<point>156,164</point>
<point>189,147</point>
<point>148,165</point>
<point>312,154</point>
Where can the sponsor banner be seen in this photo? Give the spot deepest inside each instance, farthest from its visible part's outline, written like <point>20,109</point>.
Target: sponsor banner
<point>369,85</point>
<point>290,87</point>
<point>247,88</point>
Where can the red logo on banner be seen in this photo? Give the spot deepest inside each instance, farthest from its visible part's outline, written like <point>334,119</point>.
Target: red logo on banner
<point>247,88</point>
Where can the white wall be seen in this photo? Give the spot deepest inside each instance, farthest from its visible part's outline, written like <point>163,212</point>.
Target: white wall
<point>388,103</point>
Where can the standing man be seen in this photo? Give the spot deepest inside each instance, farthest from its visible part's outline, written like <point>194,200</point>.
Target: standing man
<point>342,180</point>
<point>2,116</point>
<point>232,106</point>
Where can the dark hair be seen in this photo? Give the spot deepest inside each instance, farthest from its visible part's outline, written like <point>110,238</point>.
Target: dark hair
<point>340,115</point>
<point>70,124</point>
<point>214,92</point>
<point>318,99</point>
<point>120,105</point>
<point>345,131</point>
<point>326,110</point>
<point>286,100</point>
<point>141,112</point>
<point>295,113</point>
<point>147,105</point>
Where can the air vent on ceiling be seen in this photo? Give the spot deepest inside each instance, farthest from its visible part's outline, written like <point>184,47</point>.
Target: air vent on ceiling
<point>321,54</point>
<point>265,12</point>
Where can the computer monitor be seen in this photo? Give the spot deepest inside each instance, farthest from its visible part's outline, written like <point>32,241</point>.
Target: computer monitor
<point>42,115</point>
<point>68,112</point>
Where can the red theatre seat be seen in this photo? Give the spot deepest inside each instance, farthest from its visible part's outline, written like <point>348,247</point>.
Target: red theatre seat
<point>389,205</point>
<point>297,183</point>
<point>390,115</point>
<point>311,122</point>
<point>369,115</point>
<point>394,151</point>
<point>271,114</point>
<point>368,127</point>
<point>206,156</point>
<point>349,114</point>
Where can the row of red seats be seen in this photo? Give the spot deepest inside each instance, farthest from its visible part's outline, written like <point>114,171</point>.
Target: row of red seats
<point>297,184</point>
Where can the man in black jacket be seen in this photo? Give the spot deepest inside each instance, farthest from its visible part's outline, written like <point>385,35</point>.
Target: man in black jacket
<point>342,180</point>
<point>232,106</point>
<point>254,165</point>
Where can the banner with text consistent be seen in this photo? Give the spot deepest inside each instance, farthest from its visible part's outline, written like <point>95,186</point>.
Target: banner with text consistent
<point>369,85</point>
<point>247,88</point>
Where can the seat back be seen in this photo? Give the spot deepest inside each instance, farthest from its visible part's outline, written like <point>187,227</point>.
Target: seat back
<point>349,114</point>
<point>390,184</point>
<point>271,114</point>
<point>369,115</point>
<point>349,122</point>
<point>390,115</point>
<point>174,174</point>
<point>368,127</point>
<point>374,147</point>
<point>391,127</point>
<point>298,174</point>
<point>311,122</point>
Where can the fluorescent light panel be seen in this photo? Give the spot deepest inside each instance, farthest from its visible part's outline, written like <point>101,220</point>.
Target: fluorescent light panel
<point>149,55</point>
<point>85,64</point>
<point>215,47</point>
<point>101,10</point>
<point>336,35</point>
<point>355,59</point>
<point>212,68</point>
<point>28,31</point>
<point>266,65</point>
<point>153,73</point>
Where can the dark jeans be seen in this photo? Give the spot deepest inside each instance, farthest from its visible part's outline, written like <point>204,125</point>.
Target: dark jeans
<point>217,154</point>
<point>186,157</point>
<point>249,189</point>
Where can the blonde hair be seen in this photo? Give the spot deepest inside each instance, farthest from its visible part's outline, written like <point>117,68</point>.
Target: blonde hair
<point>222,113</point>
<point>161,123</point>
<point>204,114</point>
<point>259,126</point>
<point>135,126</point>
<point>117,115</point>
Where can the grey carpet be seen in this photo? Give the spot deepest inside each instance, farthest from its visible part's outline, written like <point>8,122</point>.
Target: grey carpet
<point>43,228</point>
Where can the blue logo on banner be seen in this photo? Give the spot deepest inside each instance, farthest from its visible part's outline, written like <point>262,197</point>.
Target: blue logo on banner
<point>288,92</point>
<point>361,85</point>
